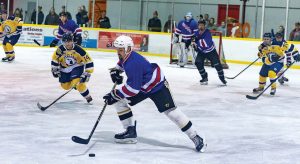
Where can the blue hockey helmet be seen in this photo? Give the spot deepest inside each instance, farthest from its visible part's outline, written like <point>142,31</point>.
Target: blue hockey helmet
<point>67,37</point>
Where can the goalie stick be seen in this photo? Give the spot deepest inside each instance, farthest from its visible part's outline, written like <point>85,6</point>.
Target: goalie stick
<point>86,141</point>
<point>256,97</point>
<point>243,70</point>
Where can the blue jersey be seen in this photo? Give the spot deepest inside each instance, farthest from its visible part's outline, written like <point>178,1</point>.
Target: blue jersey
<point>142,76</point>
<point>204,41</point>
<point>187,29</point>
<point>68,26</point>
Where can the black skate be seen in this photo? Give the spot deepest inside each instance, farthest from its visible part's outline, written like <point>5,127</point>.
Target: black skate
<point>199,143</point>
<point>8,59</point>
<point>257,90</point>
<point>223,80</point>
<point>273,91</point>
<point>127,137</point>
<point>285,79</point>
<point>204,81</point>
<point>89,99</point>
<point>281,81</point>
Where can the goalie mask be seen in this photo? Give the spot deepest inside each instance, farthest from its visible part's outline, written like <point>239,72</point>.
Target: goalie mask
<point>123,42</point>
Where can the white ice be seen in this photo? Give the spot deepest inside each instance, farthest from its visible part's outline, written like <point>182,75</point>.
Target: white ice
<point>237,130</point>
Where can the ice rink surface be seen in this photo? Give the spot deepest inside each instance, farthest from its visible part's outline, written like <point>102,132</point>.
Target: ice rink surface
<point>237,130</point>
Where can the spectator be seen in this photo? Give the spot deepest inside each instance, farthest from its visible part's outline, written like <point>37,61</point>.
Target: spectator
<point>154,23</point>
<point>27,17</point>
<point>280,30</point>
<point>169,25</point>
<point>63,10</point>
<point>200,18</point>
<point>2,7</point>
<point>84,16</point>
<point>78,16</point>
<point>40,16</point>
<point>206,19</point>
<point>222,28</point>
<point>144,44</point>
<point>235,27</point>
<point>295,34</point>
<point>52,18</point>
<point>103,21</point>
<point>18,13</point>
<point>211,24</point>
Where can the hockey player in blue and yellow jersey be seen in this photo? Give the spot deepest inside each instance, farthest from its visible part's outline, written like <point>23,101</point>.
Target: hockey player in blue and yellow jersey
<point>10,29</point>
<point>67,26</point>
<point>144,80</point>
<point>73,66</point>
<point>272,57</point>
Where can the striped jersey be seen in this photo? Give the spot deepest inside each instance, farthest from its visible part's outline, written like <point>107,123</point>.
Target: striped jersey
<point>186,29</point>
<point>204,41</point>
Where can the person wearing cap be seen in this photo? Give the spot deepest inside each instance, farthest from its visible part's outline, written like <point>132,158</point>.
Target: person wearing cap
<point>10,30</point>
<point>67,25</point>
<point>154,23</point>
<point>186,28</point>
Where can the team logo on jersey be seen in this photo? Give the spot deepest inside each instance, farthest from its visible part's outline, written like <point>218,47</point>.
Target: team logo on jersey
<point>186,27</point>
<point>69,58</point>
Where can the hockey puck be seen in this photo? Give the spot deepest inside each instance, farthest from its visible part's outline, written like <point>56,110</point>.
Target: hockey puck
<point>92,155</point>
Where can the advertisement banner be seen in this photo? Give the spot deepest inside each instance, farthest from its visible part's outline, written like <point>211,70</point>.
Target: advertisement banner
<point>31,33</point>
<point>105,40</point>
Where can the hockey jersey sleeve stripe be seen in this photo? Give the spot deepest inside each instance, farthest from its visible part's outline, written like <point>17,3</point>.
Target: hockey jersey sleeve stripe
<point>89,65</point>
<point>78,31</point>
<point>54,63</point>
<point>157,77</point>
<point>127,91</point>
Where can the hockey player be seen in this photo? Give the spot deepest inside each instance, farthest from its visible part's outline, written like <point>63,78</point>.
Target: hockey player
<point>73,66</point>
<point>67,25</point>
<point>144,80</point>
<point>272,57</point>
<point>10,29</point>
<point>206,50</point>
<point>291,51</point>
<point>267,41</point>
<point>186,28</point>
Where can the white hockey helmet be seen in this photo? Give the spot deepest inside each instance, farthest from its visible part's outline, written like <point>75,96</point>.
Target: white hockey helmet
<point>188,16</point>
<point>123,42</point>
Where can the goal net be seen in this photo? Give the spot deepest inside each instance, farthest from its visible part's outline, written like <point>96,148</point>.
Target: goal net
<point>217,38</point>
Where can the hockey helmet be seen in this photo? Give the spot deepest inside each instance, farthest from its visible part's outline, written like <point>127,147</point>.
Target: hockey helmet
<point>123,42</point>
<point>267,35</point>
<point>67,37</point>
<point>278,35</point>
<point>188,16</point>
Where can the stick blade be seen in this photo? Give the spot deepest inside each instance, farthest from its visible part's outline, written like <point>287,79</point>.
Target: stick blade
<point>41,107</point>
<point>80,140</point>
<point>251,97</point>
<point>229,77</point>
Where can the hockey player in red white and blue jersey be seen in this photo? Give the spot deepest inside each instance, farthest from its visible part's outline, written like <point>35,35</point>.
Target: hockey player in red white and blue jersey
<point>144,80</point>
<point>206,50</point>
<point>67,26</point>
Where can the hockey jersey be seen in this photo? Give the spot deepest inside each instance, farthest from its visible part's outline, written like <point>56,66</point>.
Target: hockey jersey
<point>142,76</point>
<point>291,49</point>
<point>68,26</point>
<point>187,29</point>
<point>204,41</point>
<point>72,62</point>
<point>11,26</point>
<point>269,51</point>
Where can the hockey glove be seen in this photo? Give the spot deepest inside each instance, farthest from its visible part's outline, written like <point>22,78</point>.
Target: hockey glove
<point>116,77</point>
<point>53,43</point>
<point>55,72</point>
<point>274,57</point>
<point>297,57</point>
<point>85,77</point>
<point>111,98</point>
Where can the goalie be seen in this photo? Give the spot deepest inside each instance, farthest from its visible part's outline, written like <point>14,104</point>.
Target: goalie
<point>186,29</point>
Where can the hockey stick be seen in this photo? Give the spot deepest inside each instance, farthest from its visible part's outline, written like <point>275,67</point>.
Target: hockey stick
<point>256,97</point>
<point>243,69</point>
<point>46,107</point>
<point>86,141</point>
<point>36,42</point>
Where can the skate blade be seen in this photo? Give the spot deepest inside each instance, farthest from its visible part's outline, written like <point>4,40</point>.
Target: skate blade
<point>126,141</point>
<point>203,149</point>
<point>204,83</point>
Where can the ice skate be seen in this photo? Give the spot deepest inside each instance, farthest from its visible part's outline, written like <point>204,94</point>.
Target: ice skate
<point>273,91</point>
<point>127,137</point>
<point>204,81</point>
<point>200,143</point>
<point>257,90</point>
